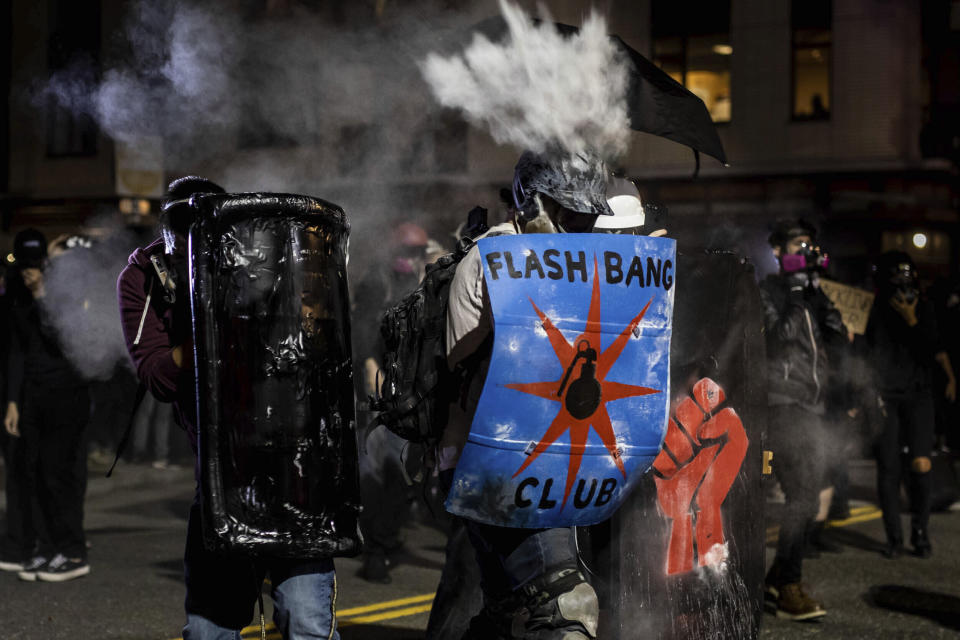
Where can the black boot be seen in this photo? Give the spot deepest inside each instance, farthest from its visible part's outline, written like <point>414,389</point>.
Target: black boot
<point>376,567</point>
<point>920,542</point>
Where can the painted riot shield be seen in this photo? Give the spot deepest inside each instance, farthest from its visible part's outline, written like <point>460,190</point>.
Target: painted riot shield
<point>575,402</point>
<point>278,456</point>
<point>684,556</point>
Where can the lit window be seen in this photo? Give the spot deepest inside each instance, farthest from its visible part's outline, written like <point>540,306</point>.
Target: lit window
<point>691,42</point>
<point>927,246</point>
<point>811,26</point>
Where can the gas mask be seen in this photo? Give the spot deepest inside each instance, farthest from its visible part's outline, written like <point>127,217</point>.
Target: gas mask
<point>808,259</point>
<point>903,284</point>
<point>565,220</point>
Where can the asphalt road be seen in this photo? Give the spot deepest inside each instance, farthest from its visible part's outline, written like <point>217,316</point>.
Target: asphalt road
<point>136,524</point>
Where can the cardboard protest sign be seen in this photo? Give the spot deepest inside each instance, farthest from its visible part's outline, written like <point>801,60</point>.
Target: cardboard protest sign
<point>853,303</point>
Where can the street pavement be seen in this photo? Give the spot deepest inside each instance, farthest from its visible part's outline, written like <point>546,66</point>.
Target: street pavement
<point>137,519</point>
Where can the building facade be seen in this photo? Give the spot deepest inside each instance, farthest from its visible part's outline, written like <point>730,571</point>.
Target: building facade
<point>841,111</point>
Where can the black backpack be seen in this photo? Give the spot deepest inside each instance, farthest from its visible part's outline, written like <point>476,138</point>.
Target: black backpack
<point>417,386</point>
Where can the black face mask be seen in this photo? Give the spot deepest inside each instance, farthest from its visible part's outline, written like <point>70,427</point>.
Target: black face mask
<point>909,294</point>
<point>904,286</point>
<point>906,291</point>
<point>573,222</point>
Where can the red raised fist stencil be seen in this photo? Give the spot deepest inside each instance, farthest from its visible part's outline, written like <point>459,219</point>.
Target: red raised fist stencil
<point>701,456</point>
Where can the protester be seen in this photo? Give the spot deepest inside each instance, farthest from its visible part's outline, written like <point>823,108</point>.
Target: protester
<point>384,483</point>
<point>155,314</point>
<point>13,549</point>
<point>533,571</point>
<point>902,345</point>
<point>799,321</point>
<point>47,409</point>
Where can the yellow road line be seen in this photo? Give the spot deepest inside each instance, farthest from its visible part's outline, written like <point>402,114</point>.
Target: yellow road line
<point>389,611</point>
<point>872,514</point>
<point>857,514</point>
<point>389,604</point>
<point>347,617</point>
<point>388,615</point>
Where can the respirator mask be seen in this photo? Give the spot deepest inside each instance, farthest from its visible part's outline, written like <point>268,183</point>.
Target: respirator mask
<point>809,259</point>
<point>903,284</point>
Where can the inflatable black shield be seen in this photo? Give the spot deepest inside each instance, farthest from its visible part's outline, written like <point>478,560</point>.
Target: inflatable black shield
<point>271,327</point>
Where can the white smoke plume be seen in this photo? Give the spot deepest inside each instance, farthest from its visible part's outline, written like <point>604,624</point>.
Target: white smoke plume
<point>81,298</point>
<point>299,99</point>
<point>212,80</point>
<point>538,89</point>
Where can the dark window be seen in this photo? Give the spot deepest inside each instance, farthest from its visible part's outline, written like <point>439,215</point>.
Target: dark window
<point>73,48</point>
<point>811,24</point>
<point>691,42</point>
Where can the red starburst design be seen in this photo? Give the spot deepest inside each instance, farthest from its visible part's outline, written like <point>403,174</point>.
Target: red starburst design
<point>599,419</point>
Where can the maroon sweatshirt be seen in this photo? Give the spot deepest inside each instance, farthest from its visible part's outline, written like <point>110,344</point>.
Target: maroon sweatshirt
<point>152,327</point>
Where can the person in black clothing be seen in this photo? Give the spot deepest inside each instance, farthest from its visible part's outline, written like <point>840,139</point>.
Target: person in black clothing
<point>47,409</point>
<point>799,321</point>
<point>12,548</point>
<point>903,343</point>
<point>384,485</point>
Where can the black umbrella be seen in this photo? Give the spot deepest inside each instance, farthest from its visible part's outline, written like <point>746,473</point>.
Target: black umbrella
<point>656,103</point>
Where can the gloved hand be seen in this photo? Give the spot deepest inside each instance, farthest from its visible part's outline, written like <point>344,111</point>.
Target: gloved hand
<point>797,281</point>
<point>906,308</point>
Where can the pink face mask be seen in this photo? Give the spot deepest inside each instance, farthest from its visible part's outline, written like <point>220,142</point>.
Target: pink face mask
<point>798,262</point>
<point>402,265</point>
<point>793,262</point>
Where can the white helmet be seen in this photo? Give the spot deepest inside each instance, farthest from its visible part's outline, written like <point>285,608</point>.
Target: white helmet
<point>628,216</point>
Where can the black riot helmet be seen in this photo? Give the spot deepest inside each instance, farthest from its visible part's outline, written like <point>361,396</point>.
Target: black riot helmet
<point>177,212</point>
<point>576,182</point>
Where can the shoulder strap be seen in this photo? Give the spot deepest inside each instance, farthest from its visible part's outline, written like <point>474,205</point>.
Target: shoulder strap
<point>141,391</point>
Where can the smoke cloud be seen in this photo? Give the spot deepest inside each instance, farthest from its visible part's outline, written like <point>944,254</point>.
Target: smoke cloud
<point>220,85</point>
<point>81,299</point>
<point>538,89</point>
<point>289,99</point>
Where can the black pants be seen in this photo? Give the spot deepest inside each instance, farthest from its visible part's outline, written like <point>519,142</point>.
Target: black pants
<point>797,438</point>
<point>52,423</point>
<point>19,538</point>
<point>907,423</point>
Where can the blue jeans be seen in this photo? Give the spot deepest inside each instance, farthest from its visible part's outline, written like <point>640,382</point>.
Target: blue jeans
<point>222,592</point>
<point>510,558</point>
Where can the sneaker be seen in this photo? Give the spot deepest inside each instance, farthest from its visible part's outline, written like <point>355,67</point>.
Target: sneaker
<point>30,568</point>
<point>6,564</point>
<point>794,604</point>
<point>62,568</point>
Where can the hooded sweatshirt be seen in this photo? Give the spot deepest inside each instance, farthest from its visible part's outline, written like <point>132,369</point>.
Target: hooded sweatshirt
<point>152,328</point>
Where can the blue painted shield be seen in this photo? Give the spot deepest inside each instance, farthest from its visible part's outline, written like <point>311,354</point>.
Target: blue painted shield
<point>575,403</point>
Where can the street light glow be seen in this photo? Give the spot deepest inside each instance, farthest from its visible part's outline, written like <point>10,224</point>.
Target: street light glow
<point>919,240</point>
